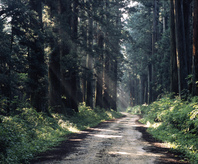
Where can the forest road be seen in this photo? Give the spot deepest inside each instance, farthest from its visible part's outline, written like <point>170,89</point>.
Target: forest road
<point>111,142</point>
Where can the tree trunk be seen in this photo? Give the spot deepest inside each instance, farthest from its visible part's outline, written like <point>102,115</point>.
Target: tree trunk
<point>54,72</point>
<point>154,40</point>
<point>132,91</point>
<point>106,98</point>
<point>188,33</point>
<point>150,83</point>
<point>75,68</point>
<point>100,71</point>
<point>54,80</point>
<point>150,70</point>
<point>180,47</point>
<point>114,86</point>
<point>69,72</point>
<point>173,57</point>
<point>195,49</point>
<point>90,60</point>
<point>38,85</point>
<point>142,89</point>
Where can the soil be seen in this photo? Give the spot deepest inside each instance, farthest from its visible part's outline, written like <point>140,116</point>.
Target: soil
<point>119,141</point>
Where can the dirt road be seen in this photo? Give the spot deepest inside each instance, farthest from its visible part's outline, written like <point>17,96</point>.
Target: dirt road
<point>112,142</point>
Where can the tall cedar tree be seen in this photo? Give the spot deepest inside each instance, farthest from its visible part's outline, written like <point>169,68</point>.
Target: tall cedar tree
<point>195,49</point>
<point>37,66</point>
<point>54,62</point>
<point>181,52</point>
<point>173,59</point>
<point>5,76</point>
<point>70,26</point>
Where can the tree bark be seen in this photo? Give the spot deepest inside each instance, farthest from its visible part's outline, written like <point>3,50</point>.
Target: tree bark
<point>195,49</point>
<point>37,84</point>
<point>173,57</point>
<point>100,71</point>
<point>188,33</point>
<point>90,59</point>
<point>180,47</point>
<point>106,98</point>
<point>75,68</point>
<point>54,73</point>
<point>155,31</point>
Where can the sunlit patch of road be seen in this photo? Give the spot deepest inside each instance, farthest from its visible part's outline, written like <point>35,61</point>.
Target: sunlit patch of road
<point>114,142</point>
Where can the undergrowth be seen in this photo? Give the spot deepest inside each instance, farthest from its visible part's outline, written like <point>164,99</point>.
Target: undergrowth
<point>175,122</point>
<point>28,133</point>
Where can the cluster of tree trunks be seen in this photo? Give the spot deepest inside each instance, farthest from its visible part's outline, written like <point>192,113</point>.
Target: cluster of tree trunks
<point>145,87</point>
<point>94,87</point>
<point>183,47</point>
<point>68,51</point>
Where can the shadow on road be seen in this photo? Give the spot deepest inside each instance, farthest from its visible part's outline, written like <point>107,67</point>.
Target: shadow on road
<point>157,147</point>
<point>68,146</point>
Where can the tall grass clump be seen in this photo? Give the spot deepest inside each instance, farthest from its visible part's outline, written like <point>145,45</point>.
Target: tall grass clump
<point>176,122</point>
<point>27,133</point>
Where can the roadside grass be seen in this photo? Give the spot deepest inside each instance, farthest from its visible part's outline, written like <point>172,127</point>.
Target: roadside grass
<point>29,133</point>
<point>174,122</point>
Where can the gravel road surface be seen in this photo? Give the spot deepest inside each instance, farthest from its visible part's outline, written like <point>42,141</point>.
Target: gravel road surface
<point>120,141</point>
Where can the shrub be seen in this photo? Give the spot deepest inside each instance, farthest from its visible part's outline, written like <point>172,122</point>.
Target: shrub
<point>28,133</point>
<point>176,122</point>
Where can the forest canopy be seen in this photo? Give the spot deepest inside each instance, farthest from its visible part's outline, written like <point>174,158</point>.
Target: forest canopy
<point>162,52</point>
<point>109,53</point>
<point>58,54</point>
<point>83,60</point>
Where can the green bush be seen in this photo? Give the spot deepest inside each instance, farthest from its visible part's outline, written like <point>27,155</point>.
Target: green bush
<point>28,133</point>
<point>134,110</point>
<point>176,122</point>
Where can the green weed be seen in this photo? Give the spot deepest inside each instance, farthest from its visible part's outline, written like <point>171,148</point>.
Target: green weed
<point>28,133</point>
<point>175,122</point>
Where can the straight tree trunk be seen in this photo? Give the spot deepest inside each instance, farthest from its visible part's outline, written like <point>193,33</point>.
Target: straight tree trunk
<point>132,91</point>
<point>54,74</point>
<point>154,40</point>
<point>150,83</point>
<point>115,60</point>
<point>54,81</point>
<point>195,49</point>
<point>90,60</point>
<point>100,81</point>
<point>180,47</point>
<point>142,89</point>
<point>75,69</point>
<point>146,91</point>
<point>173,57</point>
<point>188,33</point>
<point>38,85</point>
<point>150,70</point>
<point>114,86</point>
<point>107,66</point>
<point>106,98</point>
<point>68,29</point>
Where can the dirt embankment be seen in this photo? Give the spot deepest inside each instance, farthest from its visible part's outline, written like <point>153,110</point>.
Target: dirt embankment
<point>121,141</point>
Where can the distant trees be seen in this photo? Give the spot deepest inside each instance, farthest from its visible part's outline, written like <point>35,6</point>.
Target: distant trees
<point>148,52</point>
<point>164,59</point>
<point>58,54</point>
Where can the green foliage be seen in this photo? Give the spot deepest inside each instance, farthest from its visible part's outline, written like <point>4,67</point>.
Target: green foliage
<point>176,122</point>
<point>134,110</point>
<point>28,133</point>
